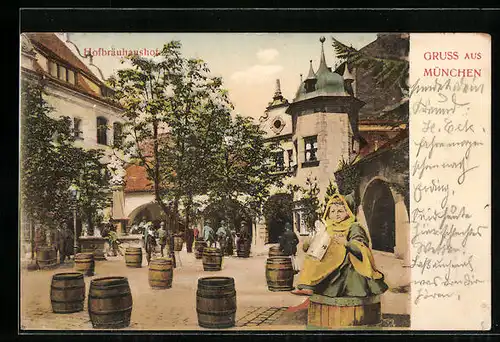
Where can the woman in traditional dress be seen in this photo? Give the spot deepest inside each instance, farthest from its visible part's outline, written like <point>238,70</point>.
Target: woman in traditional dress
<point>347,268</point>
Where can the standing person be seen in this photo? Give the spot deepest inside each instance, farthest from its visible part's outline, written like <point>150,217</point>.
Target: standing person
<point>243,236</point>
<point>196,233</point>
<point>189,239</point>
<point>221,236</point>
<point>162,237</point>
<point>208,235</point>
<point>288,244</point>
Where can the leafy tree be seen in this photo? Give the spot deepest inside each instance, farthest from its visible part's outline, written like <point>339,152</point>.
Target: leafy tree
<point>244,169</point>
<point>48,160</point>
<point>309,202</point>
<point>175,112</point>
<point>94,186</point>
<point>51,164</point>
<point>389,71</point>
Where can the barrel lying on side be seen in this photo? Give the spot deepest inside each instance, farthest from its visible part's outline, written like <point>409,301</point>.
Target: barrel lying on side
<point>279,274</point>
<point>46,257</point>
<point>216,302</point>
<point>133,257</point>
<point>67,292</point>
<point>110,302</point>
<point>212,259</point>
<point>161,273</point>
<point>198,248</point>
<point>84,262</point>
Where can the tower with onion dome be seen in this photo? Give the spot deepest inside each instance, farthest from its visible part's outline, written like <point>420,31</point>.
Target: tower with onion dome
<point>324,117</point>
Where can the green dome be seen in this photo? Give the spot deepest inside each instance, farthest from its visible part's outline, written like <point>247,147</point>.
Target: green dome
<point>330,82</point>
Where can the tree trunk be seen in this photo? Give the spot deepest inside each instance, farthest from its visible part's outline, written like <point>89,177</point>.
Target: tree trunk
<point>32,239</point>
<point>188,234</point>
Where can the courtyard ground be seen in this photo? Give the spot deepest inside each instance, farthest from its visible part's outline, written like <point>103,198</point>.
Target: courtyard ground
<point>175,308</point>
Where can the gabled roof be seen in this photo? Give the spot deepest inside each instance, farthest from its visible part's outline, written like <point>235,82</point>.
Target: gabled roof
<point>51,45</point>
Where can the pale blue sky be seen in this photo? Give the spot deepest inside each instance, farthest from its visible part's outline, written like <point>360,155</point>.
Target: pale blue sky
<point>249,63</point>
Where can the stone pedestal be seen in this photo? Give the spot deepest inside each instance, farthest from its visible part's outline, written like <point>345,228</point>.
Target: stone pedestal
<point>120,226</point>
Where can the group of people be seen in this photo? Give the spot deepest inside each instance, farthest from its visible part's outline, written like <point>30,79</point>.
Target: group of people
<point>225,238</point>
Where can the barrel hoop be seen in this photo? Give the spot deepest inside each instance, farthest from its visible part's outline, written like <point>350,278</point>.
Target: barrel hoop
<point>216,313</point>
<point>93,296</point>
<point>344,301</point>
<point>111,311</point>
<point>157,270</point>
<point>217,296</point>
<point>67,287</point>
<point>67,301</point>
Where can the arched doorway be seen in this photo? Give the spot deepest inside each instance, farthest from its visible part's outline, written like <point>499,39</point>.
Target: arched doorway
<point>151,211</point>
<point>277,211</point>
<point>379,210</point>
<point>236,213</point>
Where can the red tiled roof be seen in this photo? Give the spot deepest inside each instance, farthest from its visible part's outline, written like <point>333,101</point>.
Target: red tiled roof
<point>137,179</point>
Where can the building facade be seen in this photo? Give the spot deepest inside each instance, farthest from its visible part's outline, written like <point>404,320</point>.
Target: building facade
<point>73,90</point>
<point>341,120</point>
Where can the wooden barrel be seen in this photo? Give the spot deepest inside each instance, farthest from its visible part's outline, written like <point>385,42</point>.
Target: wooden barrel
<point>216,302</point>
<point>243,250</point>
<point>274,251</point>
<point>327,312</point>
<point>84,262</point>
<point>178,241</point>
<point>161,273</point>
<point>198,248</point>
<point>46,257</point>
<point>133,257</point>
<point>99,255</point>
<point>279,274</point>
<point>212,259</point>
<point>67,292</point>
<point>110,302</point>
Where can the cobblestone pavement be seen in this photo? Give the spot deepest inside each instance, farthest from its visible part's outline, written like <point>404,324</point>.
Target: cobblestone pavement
<point>174,308</point>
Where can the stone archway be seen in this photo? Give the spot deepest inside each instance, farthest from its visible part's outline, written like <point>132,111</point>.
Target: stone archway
<point>152,211</point>
<point>379,212</point>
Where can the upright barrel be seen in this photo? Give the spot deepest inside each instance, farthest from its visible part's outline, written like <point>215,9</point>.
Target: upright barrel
<point>67,292</point>
<point>275,251</point>
<point>161,273</point>
<point>84,262</point>
<point>110,302</point>
<point>178,241</point>
<point>279,274</point>
<point>243,250</point>
<point>212,259</point>
<point>99,255</point>
<point>133,257</point>
<point>199,245</point>
<point>46,257</point>
<point>216,302</point>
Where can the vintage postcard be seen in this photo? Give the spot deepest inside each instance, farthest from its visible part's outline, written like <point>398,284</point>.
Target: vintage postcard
<point>280,181</point>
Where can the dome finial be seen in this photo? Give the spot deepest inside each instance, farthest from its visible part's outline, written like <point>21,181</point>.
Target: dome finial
<point>322,63</point>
